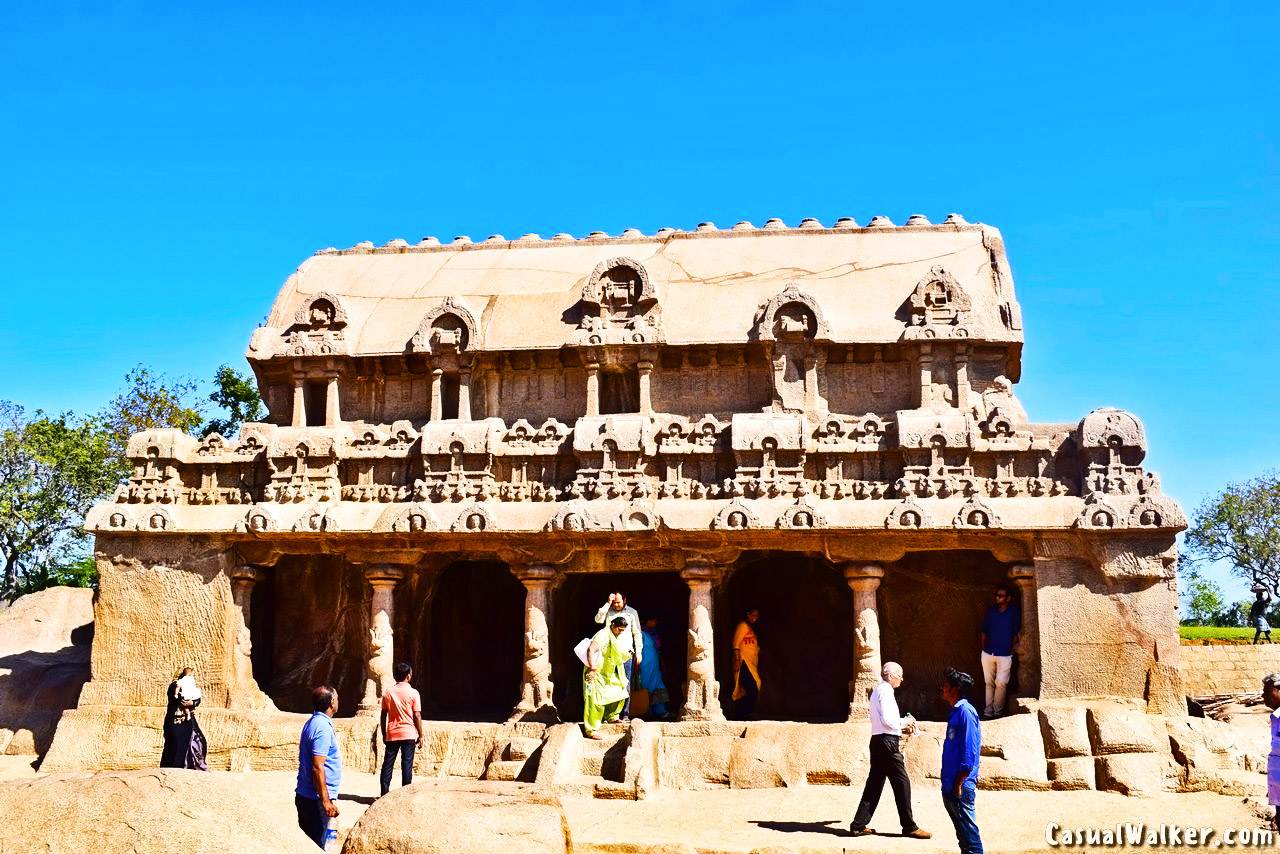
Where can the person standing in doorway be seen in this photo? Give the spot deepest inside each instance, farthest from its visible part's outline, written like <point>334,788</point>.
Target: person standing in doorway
<point>1271,697</point>
<point>887,729</point>
<point>746,666</point>
<point>1000,628</point>
<point>319,767</point>
<point>960,751</point>
<point>1258,614</point>
<point>651,669</point>
<point>401,726</point>
<point>630,640</point>
<point>604,681</point>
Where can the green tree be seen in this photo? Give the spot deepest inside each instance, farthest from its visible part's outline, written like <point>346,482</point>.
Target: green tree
<point>148,401</point>
<point>238,396</point>
<point>1241,526</point>
<point>1202,600</point>
<point>52,470</point>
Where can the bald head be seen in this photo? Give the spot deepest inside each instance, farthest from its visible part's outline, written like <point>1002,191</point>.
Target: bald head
<point>892,673</point>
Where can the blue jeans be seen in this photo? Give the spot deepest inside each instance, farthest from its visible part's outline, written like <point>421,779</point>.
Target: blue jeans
<point>964,817</point>
<point>390,750</point>
<point>629,667</point>
<point>312,818</point>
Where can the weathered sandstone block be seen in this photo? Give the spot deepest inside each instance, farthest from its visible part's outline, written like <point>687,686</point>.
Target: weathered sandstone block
<point>1012,754</point>
<point>695,763</point>
<point>1073,772</point>
<point>1135,773</point>
<point>1065,731</point>
<point>1117,730</point>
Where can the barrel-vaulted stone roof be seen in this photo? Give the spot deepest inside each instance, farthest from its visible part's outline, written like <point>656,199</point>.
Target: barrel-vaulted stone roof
<point>709,284</point>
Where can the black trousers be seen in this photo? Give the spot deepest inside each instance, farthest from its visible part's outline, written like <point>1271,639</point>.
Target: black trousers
<point>391,749</point>
<point>312,818</point>
<point>886,764</point>
<point>745,708</point>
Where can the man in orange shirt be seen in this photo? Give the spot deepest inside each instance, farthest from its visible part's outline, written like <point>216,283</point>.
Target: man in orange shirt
<point>401,725</point>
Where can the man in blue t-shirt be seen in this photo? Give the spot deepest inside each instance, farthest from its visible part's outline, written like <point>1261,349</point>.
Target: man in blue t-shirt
<point>960,752</point>
<point>1000,628</point>
<point>319,767</point>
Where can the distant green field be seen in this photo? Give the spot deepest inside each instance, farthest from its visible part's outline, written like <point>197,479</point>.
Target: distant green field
<point>1218,633</point>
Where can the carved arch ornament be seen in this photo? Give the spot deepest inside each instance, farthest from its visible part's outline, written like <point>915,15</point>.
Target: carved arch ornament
<point>801,516</point>
<point>315,519</point>
<point>258,519</point>
<point>321,311</point>
<point>908,515</point>
<point>734,516</point>
<point>474,519</point>
<point>414,518</point>
<point>790,313</point>
<point>939,308</point>
<point>975,513</point>
<point>574,516</point>
<point>1098,514</point>
<point>620,305</point>
<point>446,327</point>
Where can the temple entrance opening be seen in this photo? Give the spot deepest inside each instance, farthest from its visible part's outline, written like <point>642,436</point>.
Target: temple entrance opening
<point>663,595</point>
<point>310,628</point>
<point>465,642</point>
<point>931,607</point>
<point>805,634</point>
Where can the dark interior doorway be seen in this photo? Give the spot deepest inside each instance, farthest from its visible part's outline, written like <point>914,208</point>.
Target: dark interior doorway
<point>663,595</point>
<point>472,662</point>
<point>805,633</point>
<point>931,606</point>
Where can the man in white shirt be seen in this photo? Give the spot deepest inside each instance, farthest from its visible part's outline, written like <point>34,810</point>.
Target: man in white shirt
<point>630,640</point>
<point>887,727</point>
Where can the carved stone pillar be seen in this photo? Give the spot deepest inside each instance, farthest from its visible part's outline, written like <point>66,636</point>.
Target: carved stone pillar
<point>864,580</point>
<point>332,406</point>
<point>464,394</point>
<point>536,703</point>
<point>437,401</point>
<point>299,401</point>
<point>491,389</point>
<point>702,691</point>
<point>243,578</point>
<point>382,580</point>
<point>1023,577</point>
<point>645,370</point>
<point>593,389</point>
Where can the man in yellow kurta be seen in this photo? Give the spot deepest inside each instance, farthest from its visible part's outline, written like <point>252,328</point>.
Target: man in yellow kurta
<point>605,686</point>
<point>746,667</point>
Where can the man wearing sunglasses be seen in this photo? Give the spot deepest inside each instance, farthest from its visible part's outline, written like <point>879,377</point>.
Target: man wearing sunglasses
<point>1000,628</point>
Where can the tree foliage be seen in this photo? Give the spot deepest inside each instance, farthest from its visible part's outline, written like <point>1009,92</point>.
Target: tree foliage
<point>1202,601</point>
<point>1241,526</point>
<point>149,401</point>
<point>238,396</point>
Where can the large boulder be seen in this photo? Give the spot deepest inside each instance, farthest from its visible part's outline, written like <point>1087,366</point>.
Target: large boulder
<point>477,818</point>
<point>157,812</point>
<point>44,662</point>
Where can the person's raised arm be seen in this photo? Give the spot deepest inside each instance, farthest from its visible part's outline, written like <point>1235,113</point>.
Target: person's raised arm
<point>604,610</point>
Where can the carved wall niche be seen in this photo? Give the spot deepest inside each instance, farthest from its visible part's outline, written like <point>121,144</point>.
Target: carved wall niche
<point>317,328</point>
<point>314,520</point>
<point>473,520</point>
<point>619,305</point>
<point>446,329</point>
<point>939,308</point>
<point>1098,514</point>
<point>907,514</point>
<point>735,516</point>
<point>638,517</point>
<point>1155,511</point>
<point>801,516</point>
<point>792,327</point>
<point>259,519</point>
<point>575,516</point>
<point>411,519</point>
<point>975,513</point>
<point>154,520</point>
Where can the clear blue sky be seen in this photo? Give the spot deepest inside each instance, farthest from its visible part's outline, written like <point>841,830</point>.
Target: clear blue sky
<point>165,170</point>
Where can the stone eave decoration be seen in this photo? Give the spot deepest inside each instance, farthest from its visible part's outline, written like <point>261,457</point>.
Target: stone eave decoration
<point>907,514</point>
<point>314,520</point>
<point>791,314</point>
<point>850,434</point>
<point>975,513</point>
<point>575,516</point>
<point>734,516</point>
<point>923,428</point>
<point>1112,428</point>
<point>638,516</point>
<point>467,437</point>
<point>523,439</point>
<point>619,306</point>
<point>1156,511</point>
<point>447,327</point>
<point>801,516</point>
<point>321,311</point>
<point>939,308</point>
<point>473,519</point>
<point>406,519</point>
<point>154,520</point>
<point>259,519</point>
<point>114,517</point>
<point>1098,514</point>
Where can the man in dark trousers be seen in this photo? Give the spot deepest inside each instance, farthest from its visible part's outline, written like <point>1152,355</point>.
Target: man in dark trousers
<point>401,726</point>
<point>1258,613</point>
<point>319,767</point>
<point>887,727</point>
<point>960,751</point>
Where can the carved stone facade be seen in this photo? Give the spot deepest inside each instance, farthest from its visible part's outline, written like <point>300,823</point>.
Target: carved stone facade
<point>685,403</point>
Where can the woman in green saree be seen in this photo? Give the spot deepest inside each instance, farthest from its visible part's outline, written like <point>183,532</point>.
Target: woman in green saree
<point>605,686</point>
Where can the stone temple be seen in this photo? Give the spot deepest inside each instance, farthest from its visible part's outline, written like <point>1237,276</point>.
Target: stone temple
<point>470,445</point>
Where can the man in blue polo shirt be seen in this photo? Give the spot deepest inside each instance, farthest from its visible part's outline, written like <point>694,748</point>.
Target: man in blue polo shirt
<point>319,767</point>
<point>1000,628</point>
<point>960,751</point>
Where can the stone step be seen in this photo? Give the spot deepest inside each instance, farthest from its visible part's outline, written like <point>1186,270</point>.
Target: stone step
<point>521,748</point>
<point>611,791</point>
<point>504,769</point>
<point>592,764</point>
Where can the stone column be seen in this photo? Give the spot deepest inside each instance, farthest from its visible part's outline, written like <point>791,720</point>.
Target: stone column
<point>864,580</point>
<point>645,370</point>
<point>332,406</point>
<point>464,394</point>
<point>243,578</point>
<point>536,703</point>
<point>491,389</point>
<point>702,691</point>
<point>1023,577</point>
<point>382,579</point>
<point>593,389</point>
<point>299,401</point>
<point>437,402</point>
